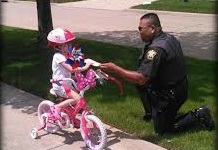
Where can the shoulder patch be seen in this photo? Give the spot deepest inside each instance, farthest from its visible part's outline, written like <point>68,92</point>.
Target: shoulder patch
<point>150,54</point>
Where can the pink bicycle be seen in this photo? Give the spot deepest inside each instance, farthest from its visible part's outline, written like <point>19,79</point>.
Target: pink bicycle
<point>79,116</point>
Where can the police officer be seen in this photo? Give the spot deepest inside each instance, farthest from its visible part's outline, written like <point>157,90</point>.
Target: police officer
<point>161,79</point>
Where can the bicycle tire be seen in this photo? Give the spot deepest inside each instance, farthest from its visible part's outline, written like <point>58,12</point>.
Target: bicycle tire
<point>43,111</point>
<point>90,120</point>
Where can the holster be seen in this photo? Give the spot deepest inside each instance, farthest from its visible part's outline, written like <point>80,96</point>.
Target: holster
<point>161,98</point>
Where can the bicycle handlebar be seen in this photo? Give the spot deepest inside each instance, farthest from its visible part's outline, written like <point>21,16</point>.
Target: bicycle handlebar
<point>102,74</point>
<point>99,74</point>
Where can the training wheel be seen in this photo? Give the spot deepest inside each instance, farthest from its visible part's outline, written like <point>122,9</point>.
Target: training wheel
<point>34,133</point>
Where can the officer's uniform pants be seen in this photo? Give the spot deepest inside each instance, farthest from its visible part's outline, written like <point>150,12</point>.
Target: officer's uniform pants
<point>144,99</point>
<point>164,118</point>
<point>165,107</point>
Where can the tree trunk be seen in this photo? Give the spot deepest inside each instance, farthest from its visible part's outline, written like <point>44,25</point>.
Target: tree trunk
<point>45,24</point>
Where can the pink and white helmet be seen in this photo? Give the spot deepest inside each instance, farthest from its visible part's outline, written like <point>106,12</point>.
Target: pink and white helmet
<point>60,36</point>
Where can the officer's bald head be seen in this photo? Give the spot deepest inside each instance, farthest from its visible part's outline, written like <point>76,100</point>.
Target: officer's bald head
<point>153,19</point>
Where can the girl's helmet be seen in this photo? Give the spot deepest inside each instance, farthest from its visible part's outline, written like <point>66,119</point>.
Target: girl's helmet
<point>60,36</point>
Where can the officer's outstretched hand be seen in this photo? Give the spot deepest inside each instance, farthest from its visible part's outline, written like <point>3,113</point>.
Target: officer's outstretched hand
<point>108,66</point>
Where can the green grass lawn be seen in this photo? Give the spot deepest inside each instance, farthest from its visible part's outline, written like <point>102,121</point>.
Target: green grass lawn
<point>28,67</point>
<point>193,6</point>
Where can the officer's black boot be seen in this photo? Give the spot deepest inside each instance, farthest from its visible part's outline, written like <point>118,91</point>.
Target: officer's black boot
<point>201,115</point>
<point>184,122</point>
<point>204,117</point>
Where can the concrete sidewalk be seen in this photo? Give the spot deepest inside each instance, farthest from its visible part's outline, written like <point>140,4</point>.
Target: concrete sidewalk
<point>19,116</point>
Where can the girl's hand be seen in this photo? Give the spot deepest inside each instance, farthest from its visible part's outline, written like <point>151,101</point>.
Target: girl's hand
<point>92,62</point>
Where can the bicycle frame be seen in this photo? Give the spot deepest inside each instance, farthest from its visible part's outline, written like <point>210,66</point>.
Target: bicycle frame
<point>88,122</point>
<point>71,112</point>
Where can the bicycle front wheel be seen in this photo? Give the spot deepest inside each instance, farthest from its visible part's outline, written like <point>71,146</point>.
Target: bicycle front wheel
<point>93,132</point>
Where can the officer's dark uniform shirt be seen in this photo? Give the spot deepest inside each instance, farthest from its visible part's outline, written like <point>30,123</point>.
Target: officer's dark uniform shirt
<point>162,60</point>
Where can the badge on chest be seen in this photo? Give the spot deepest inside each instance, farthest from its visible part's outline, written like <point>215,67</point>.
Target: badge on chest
<point>150,54</point>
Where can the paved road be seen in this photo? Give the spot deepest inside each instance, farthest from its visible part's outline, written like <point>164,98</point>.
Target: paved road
<point>196,32</point>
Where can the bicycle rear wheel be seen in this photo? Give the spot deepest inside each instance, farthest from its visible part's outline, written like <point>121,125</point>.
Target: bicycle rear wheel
<point>43,115</point>
<point>93,132</point>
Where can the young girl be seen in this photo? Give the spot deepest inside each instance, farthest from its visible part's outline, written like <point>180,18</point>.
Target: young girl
<point>59,39</point>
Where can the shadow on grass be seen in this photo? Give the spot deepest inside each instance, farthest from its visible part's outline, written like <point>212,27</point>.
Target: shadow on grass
<point>195,44</point>
<point>25,64</point>
<point>28,67</point>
